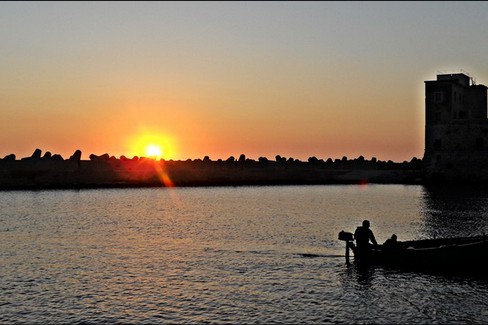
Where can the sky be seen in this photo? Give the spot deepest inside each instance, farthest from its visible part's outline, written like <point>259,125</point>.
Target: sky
<point>221,79</point>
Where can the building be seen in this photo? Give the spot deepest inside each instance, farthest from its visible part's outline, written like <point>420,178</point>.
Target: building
<point>456,129</point>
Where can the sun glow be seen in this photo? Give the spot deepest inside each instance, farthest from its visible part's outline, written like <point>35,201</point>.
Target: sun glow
<point>154,151</point>
<point>153,145</point>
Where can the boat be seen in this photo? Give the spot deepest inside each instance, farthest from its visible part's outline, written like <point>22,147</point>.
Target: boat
<point>439,254</point>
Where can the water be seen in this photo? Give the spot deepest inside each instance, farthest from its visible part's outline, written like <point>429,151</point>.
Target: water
<point>229,255</point>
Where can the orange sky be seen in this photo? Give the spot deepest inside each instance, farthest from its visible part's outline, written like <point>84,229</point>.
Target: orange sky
<point>222,79</point>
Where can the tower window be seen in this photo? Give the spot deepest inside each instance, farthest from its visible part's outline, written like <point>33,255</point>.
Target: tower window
<point>437,116</point>
<point>479,143</point>
<point>438,97</point>
<point>438,144</point>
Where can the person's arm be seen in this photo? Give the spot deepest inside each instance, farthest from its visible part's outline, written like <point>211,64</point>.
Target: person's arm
<point>371,237</point>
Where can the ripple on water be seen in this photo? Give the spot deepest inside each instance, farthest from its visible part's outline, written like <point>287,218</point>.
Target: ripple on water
<point>223,255</point>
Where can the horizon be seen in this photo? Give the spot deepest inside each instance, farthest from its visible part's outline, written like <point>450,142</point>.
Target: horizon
<point>185,80</point>
<point>236,157</point>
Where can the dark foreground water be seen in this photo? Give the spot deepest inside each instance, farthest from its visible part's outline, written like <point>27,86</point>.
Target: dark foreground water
<point>229,255</point>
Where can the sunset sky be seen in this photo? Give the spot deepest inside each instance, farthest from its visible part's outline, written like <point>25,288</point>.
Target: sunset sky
<point>296,79</point>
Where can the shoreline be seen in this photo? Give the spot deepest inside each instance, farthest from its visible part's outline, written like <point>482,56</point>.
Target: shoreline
<point>115,173</point>
<point>199,185</point>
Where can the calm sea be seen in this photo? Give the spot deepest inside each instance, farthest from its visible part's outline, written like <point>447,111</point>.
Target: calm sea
<point>229,255</point>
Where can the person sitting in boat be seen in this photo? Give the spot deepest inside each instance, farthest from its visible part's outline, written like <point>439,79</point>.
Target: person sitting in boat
<point>391,243</point>
<point>363,235</point>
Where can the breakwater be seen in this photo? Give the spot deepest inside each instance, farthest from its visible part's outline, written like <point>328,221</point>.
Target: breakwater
<point>104,171</point>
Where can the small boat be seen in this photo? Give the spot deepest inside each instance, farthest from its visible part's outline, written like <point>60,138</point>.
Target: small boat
<point>442,254</point>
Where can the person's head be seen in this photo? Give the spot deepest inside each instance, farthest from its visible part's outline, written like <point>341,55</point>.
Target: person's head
<point>394,237</point>
<point>366,223</point>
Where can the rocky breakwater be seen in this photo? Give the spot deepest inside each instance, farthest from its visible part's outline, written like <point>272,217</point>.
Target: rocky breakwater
<point>52,171</point>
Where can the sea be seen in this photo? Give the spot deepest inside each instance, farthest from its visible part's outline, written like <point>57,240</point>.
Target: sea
<point>230,255</point>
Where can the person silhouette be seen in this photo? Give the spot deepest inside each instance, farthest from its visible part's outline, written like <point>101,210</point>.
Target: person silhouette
<point>391,243</point>
<point>363,235</point>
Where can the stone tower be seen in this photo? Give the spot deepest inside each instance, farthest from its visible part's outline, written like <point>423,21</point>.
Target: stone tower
<point>456,129</point>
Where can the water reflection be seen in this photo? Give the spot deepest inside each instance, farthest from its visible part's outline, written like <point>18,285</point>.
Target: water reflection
<point>363,274</point>
<point>382,295</point>
<point>454,211</point>
<point>225,255</point>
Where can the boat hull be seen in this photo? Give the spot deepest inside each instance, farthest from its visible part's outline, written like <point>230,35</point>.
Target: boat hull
<point>457,254</point>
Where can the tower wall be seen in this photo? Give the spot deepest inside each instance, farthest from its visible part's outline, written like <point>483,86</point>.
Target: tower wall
<point>456,129</point>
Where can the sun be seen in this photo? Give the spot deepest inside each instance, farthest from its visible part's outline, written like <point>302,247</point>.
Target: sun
<point>154,151</point>
<point>151,144</point>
